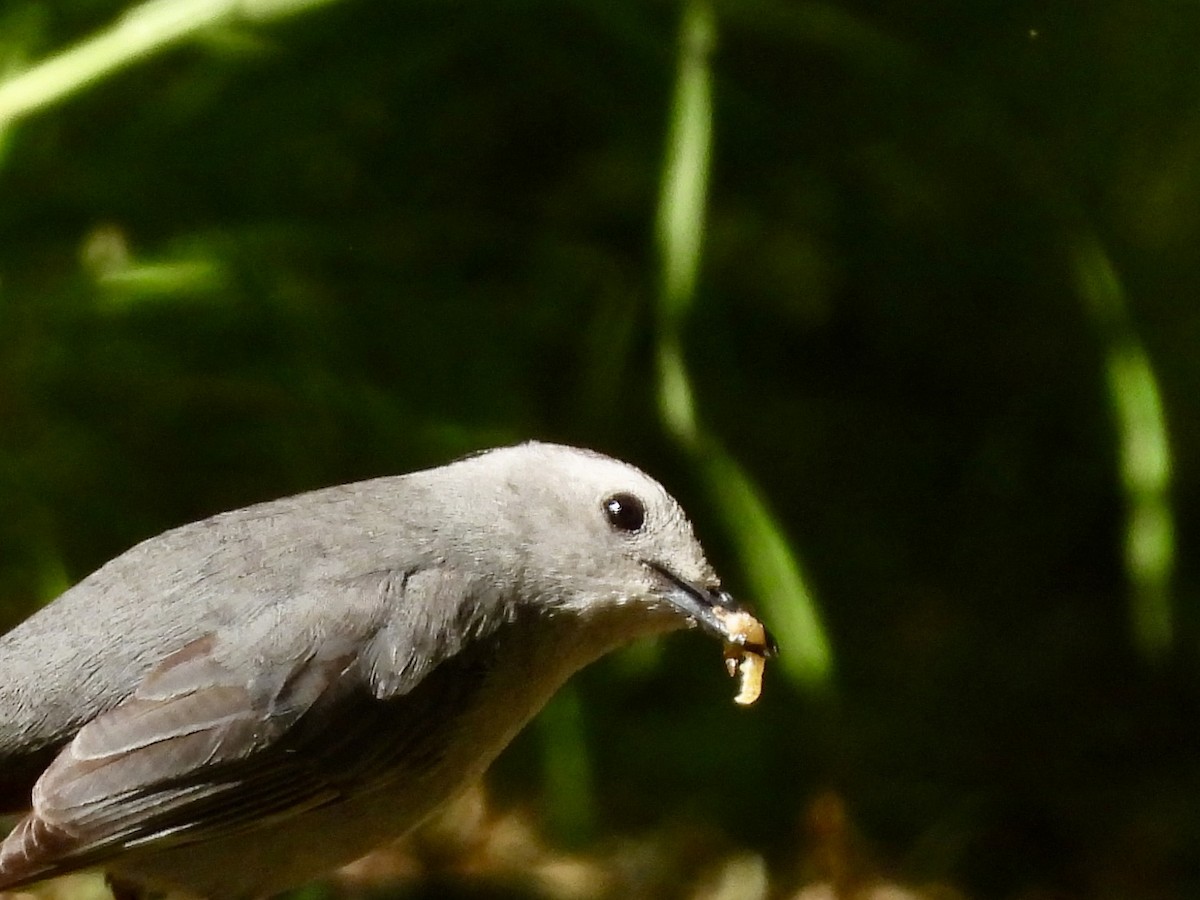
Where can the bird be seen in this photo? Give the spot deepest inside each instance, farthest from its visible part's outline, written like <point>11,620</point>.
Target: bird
<point>247,702</point>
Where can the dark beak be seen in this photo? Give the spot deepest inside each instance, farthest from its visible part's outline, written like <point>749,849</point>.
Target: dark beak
<point>699,604</point>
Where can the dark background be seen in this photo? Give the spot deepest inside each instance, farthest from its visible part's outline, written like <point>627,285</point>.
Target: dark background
<point>373,236</point>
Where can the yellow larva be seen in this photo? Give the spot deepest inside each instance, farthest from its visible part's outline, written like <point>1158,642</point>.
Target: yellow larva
<point>743,653</point>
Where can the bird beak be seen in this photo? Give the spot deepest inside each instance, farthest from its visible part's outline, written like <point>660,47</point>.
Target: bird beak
<point>700,605</point>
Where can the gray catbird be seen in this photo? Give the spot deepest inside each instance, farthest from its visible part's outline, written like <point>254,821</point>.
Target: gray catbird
<point>241,704</point>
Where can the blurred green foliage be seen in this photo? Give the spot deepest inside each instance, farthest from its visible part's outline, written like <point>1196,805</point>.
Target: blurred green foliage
<point>904,290</point>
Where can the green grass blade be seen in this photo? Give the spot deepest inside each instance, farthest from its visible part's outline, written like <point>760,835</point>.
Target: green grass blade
<point>1145,453</point>
<point>774,574</point>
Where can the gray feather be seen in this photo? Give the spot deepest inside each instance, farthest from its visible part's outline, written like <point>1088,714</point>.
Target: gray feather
<point>320,671</point>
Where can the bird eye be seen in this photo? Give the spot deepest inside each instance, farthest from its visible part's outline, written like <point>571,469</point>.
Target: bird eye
<point>625,512</point>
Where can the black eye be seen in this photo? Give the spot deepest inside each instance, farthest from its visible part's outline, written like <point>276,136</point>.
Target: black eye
<point>625,512</point>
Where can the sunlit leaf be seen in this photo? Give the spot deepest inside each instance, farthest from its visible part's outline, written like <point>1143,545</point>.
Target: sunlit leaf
<point>1145,452</point>
<point>774,574</point>
<point>771,568</point>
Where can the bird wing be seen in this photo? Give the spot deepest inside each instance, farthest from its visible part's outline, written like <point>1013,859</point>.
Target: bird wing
<point>203,747</point>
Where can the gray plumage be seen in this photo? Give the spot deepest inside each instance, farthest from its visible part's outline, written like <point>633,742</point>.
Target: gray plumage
<point>241,704</point>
